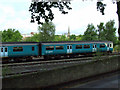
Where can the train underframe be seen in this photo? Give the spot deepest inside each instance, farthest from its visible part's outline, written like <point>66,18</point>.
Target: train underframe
<point>49,57</point>
<point>46,57</point>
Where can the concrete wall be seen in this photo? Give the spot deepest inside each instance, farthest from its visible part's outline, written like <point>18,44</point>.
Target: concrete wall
<point>52,77</point>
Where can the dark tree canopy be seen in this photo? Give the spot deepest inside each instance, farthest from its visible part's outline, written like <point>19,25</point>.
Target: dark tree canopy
<point>101,7</point>
<point>38,10</point>
<point>11,35</point>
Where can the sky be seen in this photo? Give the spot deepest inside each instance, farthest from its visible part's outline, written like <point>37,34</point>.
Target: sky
<point>15,14</point>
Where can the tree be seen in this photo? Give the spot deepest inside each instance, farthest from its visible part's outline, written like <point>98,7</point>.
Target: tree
<point>100,30</point>
<point>90,33</point>
<point>117,47</point>
<point>101,7</point>
<point>57,38</point>
<point>34,38</point>
<point>42,7</point>
<point>109,32</point>
<point>11,35</point>
<point>64,38</point>
<point>73,37</point>
<point>118,12</point>
<point>79,37</point>
<point>47,32</point>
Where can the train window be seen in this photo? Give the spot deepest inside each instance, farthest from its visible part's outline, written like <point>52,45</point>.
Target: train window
<point>102,45</point>
<point>78,46</point>
<point>33,48</point>
<point>110,45</point>
<point>107,45</point>
<point>5,49</point>
<point>67,47</point>
<point>86,46</point>
<point>49,47</point>
<point>15,49</point>
<point>59,47</point>
<point>1,49</point>
<point>70,47</point>
<point>95,46</point>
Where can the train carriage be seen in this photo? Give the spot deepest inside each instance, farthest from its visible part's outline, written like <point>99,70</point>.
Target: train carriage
<point>75,47</point>
<point>18,49</point>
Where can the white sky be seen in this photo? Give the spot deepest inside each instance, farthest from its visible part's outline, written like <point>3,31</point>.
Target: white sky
<point>15,14</point>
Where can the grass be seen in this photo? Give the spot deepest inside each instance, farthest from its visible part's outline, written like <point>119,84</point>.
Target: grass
<point>5,70</point>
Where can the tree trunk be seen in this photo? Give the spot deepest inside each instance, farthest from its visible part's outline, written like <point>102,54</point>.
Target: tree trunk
<point>118,12</point>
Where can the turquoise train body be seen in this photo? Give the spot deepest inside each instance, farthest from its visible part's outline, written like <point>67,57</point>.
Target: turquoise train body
<point>76,47</point>
<point>36,49</point>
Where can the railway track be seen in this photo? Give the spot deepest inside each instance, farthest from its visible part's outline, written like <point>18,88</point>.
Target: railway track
<point>23,68</point>
<point>47,62</point>
<point>41,62</point>
<point>42,59</point>
<point>30,67</point>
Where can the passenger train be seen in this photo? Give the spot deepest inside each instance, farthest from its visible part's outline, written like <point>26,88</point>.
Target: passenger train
<point>28,50</point>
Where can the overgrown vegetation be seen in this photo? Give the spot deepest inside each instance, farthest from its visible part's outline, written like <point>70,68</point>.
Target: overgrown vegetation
<point>5,71</point>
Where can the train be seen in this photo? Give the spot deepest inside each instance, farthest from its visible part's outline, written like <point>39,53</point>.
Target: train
<point>28,50</point>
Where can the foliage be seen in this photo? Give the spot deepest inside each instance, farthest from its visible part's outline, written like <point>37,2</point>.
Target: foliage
<point>61,38</point>
<point>44,10</point>
<point>117,47</point>
<point>110,31</point>
<point>101,7</point>
<point>79,38</point>
<point>5,70</point>
<point>11,35</point>
<point>107,31</point>
<point>72,37</point>
<point>47,32</point>
<point>42,7</point>
<point>34,38</point>
<point>90,33</point>
<point>57,38</point>
<point>100,30</point>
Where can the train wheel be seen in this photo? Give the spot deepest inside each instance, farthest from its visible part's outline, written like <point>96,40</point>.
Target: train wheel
<point>16,60</point>
<point>46,57</point>
<point>57,57</point>
<point>28,58</point>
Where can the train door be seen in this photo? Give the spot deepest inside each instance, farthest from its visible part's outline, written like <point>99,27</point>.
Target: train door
<point>108,47</point>
<point>3,52</point>
<point>69,48</point>
<point>94,48</point>
<point>0,52</point>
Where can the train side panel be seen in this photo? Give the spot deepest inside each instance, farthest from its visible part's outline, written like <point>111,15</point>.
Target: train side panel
<point>79,48</point>
<point>64,48</point>
<point>53,49</point>
<point>22,50</point>
<point>82,48</point>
